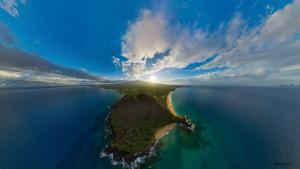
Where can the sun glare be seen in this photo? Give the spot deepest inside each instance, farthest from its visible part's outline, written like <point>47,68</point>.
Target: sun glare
<point>152,78</point>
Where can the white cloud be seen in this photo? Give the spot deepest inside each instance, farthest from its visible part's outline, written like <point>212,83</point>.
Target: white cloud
<point>248,52</point>
<point>11,6</point>
<point>144,38</point>
<point>34,76</point>
<point>151,34</point>
<point>10,74</point>
<point>282,25</point>
<point>291,68</point>
<point>267,47</point>
<point>188,47</point>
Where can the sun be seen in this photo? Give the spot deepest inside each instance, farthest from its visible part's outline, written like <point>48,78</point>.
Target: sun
<point>152,78</point>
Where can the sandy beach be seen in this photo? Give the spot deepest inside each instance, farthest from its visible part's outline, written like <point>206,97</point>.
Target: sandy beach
<point>165,130</point>
<point>170,104</point>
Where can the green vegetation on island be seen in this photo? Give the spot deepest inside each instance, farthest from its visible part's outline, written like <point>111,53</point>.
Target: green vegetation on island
<point>136,118</point>
<point>134,121</point>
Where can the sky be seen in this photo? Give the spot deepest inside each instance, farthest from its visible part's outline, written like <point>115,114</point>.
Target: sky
<point>247,42</point>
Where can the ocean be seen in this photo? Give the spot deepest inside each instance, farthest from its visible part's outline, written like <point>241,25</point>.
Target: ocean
<point>236,128</point>
<point>49,128</point>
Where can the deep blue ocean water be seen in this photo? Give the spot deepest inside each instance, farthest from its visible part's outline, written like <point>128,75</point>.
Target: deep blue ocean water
<point>237,128</point>
<point>51,127</point>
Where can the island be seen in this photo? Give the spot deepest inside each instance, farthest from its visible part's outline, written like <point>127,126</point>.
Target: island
<point>138,120</point>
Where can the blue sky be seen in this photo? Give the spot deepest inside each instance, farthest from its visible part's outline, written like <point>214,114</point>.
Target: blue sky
<point>73,33</point>
<point>108,37</point>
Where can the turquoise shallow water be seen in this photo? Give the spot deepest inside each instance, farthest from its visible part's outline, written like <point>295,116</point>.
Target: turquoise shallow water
<point>237,128</point>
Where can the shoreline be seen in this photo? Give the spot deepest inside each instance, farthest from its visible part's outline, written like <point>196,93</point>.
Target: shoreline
<point>187,122</point>
<point>170,104</point>
<point>160,133</point>
<point>163,131</point>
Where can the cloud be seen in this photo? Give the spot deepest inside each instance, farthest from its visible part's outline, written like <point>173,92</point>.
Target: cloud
<point>16,63</point>
<point>268,47</point>
<point>253,53</point>
<point>291,68</point>
<point>11,6</point>
<point>151,34</point>
<point>144,38</point>
<point>21,77</point>
<point>10,74</point>
<point>147,36</point>
<point>282,25</point>
<point>12,58</point>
